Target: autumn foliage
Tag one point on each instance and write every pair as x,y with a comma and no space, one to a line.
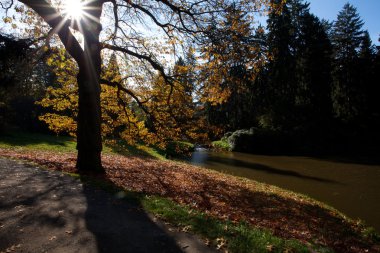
155,113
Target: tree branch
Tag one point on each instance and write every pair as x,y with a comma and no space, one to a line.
119,86
59,24
153,63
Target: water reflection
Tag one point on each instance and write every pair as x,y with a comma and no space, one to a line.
351,188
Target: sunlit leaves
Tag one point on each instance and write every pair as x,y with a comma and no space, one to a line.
167,112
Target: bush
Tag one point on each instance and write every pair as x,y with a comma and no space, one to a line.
257,140
240,140
221,145
179,148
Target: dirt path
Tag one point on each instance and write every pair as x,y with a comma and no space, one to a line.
46,211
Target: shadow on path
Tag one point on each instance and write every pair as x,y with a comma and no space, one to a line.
44,211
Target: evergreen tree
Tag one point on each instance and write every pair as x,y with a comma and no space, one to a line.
281,70
299,69
368,69
313,69
347,37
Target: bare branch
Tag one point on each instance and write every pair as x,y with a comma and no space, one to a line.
120,87
153,63
6,8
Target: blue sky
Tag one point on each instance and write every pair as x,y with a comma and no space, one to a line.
369,11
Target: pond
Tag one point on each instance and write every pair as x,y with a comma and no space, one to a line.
351,187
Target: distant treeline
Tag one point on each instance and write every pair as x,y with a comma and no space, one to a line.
318,91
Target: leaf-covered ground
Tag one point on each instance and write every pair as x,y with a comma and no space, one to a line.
286,214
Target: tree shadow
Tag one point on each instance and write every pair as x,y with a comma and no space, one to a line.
353,159
267,169
50,211
120,224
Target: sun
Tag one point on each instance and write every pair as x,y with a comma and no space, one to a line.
73,9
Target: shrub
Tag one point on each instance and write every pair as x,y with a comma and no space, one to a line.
179,148
257,140
240,140
221,145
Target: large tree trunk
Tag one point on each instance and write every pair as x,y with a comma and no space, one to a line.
89,140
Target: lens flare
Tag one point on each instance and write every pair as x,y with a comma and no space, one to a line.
74,9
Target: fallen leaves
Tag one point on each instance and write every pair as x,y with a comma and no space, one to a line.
52,238
220,242
286,214
11,248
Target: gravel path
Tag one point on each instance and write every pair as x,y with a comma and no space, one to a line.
46,211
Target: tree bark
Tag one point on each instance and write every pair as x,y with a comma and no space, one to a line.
89,140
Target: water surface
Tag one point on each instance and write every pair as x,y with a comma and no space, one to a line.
350,187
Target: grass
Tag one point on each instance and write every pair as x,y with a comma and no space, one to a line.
239,237
38,142
35,141
123,148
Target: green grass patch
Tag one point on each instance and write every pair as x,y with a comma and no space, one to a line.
35,141
121,147
38,142
221,145
240,237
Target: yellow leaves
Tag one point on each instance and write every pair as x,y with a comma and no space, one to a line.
59,124
7,20
20,9
220,243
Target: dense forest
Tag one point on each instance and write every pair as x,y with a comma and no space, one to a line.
299,84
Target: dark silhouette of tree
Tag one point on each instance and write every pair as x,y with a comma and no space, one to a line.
366,81
296,81
23,79
313,69
281,84
347,37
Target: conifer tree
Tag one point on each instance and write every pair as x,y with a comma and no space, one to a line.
367,77
281,69
313,69
298,84
347,37
232,56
